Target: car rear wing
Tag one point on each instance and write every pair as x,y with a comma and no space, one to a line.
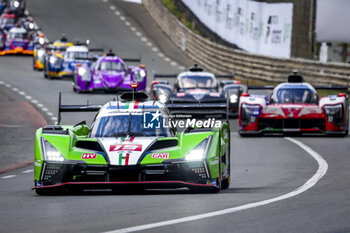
199,110
165,76
75,108
175,75
329,87
267,87
339,88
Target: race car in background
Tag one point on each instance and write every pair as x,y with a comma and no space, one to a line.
3,4
294,107
17,42
17,6
198,92
62,65
121,151
2,39
43,51
109,73
8,20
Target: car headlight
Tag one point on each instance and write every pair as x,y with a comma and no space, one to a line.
84,74
139,75
81,71
249,113
41,40
233,98
41,53
163,98
31,26
199,152
252,110
53,59
50,152
333,112
16,4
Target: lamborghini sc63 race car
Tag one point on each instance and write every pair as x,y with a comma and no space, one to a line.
198,89
109,73
294,107
128,145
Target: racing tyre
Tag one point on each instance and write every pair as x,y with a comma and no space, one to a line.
34,64
225,184
45,74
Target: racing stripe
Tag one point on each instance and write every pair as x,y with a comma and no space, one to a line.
127,104
120,158
136,104
127,159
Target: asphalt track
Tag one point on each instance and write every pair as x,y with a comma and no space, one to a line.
262,168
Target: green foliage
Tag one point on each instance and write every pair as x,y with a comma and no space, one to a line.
170,4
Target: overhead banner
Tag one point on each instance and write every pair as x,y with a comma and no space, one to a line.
331,20
257,27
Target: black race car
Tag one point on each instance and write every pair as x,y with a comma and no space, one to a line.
197,92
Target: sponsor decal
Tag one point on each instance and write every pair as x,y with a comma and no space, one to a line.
160,155
37,164
214,94
181,94
214,162
88,156
154,120
125,147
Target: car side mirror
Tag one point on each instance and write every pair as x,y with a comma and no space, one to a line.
81,130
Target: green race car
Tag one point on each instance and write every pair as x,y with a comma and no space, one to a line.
132,143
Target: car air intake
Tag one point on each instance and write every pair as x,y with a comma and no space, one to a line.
163,144
89,145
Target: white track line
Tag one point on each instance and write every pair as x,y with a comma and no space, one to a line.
28,171
29,98
321,171
7,177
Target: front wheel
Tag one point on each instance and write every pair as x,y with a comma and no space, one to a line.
225,183
34,64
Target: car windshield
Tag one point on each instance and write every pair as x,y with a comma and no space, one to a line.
196,81
296,96
125,124
112,65
8,21
17,35
59,49
77,55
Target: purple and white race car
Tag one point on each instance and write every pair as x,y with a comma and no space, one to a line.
109,73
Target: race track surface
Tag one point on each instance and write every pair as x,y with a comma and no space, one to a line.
261,168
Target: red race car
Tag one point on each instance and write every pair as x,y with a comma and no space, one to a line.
294,107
